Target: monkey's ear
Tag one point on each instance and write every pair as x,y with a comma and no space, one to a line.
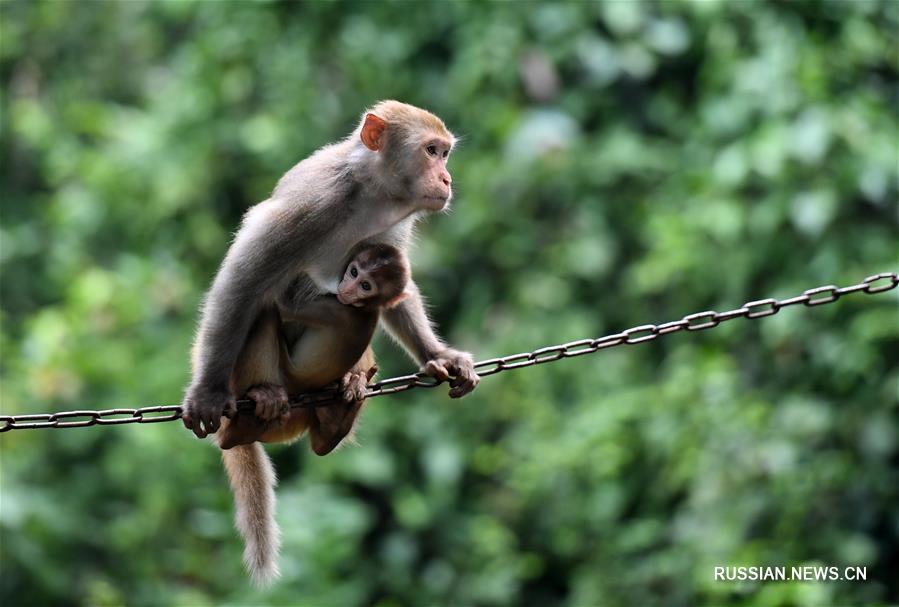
372,129
396,300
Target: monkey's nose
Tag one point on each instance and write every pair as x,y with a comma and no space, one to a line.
446,179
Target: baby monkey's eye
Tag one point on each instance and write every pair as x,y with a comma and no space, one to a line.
432,150
353,272
366,286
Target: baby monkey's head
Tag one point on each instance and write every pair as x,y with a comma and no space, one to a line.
376,276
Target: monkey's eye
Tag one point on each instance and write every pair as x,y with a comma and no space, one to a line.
353,272
432,150
445,153
366,286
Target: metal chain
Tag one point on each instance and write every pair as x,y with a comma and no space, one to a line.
700,321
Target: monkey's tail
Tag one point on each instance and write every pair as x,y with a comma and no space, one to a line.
253,481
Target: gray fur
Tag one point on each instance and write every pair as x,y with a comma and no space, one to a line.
292,248
253,481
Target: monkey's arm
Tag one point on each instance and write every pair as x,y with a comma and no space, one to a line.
324,311
258,262
409,324
257,362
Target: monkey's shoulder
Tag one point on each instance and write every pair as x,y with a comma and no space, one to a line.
323,176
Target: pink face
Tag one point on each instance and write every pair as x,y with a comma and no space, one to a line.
437,182
432,183
357,285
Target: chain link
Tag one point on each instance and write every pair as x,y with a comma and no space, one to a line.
700,321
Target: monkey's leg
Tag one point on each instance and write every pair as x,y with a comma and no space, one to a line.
257,374
244,429
332,424
335,422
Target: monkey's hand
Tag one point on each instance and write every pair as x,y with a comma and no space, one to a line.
453,364
271,402
203,408
353,385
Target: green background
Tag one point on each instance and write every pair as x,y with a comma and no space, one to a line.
621,163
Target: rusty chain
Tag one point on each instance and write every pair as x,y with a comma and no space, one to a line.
700,321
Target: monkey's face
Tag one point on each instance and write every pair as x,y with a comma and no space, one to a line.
376,276
435,183
416,146
358,286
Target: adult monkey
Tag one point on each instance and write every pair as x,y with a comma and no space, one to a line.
370,187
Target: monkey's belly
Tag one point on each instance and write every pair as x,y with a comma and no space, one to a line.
321,357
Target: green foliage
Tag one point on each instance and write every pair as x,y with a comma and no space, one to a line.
622,163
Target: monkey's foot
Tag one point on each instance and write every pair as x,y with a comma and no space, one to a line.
271,401
335,423
353,384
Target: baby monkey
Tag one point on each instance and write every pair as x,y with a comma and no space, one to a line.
324,341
